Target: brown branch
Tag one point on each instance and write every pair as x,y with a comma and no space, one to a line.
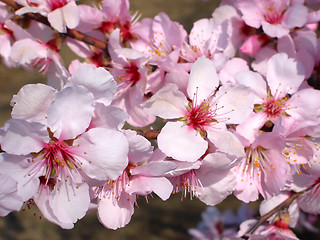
148,134
285,204
73,33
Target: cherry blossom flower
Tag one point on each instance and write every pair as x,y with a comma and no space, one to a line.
217,225
277,18
58,147
264,170
209,179
279,95
130,71
207,38
206,113
161,40
143,175
111,16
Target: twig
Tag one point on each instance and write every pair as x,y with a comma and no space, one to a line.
285,204
148,134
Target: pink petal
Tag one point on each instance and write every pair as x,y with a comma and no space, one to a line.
284,75
295,16
42,201
140,149
235,103
154,169
142,185
226,142
9,199
116,214
23,51
167,103
108,117
56,20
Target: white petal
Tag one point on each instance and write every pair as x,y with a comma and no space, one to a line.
57,21
203,80
32,102
284,75
226,142
103,153
69,202
22,137
97,80
167,103
71,14
181,142
70,113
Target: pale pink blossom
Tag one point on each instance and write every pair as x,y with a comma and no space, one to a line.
279,95
44,57
205,113
278,230
207,38
277,18
264,170
129,68
161,40
293,210
209,179
59,147
143,175
112,15
237,30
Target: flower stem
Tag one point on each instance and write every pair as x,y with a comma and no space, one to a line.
285,204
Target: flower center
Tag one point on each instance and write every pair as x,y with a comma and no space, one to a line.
54,4
273,10
56,157
255,164
273,107
114,188
131,74
199,116
186,183
272,16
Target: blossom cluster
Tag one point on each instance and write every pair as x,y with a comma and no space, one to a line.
238,96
